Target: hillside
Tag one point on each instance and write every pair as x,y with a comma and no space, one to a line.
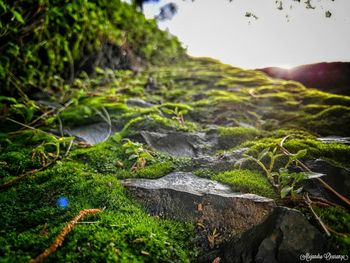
330,77
169,159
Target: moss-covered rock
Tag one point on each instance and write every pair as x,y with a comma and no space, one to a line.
247,181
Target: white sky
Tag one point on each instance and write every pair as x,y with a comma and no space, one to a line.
219,29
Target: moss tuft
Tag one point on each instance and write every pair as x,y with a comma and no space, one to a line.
230,137
247,181
338,220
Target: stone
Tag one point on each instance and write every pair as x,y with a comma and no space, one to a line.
216,163
337,177
135,102
335,139
283,237
186,197
180,144
91,133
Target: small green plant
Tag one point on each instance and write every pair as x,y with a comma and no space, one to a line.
177,114
48,152
282,180
288,182
24,107
137,153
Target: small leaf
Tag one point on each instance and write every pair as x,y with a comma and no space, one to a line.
300,154
117,137
99,70
263,153
18,16
65,139
167,111
312,175
129,150
298,191
133,156
285,191
10,99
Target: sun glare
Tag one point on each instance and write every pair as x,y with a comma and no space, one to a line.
286,66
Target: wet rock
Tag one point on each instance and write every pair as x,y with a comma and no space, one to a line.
186,197
181,143
135,102
216,163
337,177
283,237
49,104
335,139
91,133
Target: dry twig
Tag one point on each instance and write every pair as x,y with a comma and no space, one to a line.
64,232
308,202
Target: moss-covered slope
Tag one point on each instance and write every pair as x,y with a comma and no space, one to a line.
242,108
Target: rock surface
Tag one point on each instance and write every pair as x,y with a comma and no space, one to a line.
335,139
180,143
337,177
186,197
215,163
283,237
135,102
91,133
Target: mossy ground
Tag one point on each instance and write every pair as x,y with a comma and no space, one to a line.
31,217
247,181
245,108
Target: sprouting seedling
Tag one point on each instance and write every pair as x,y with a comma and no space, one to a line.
137,153
267,168
288,182
177,114
282,180
43,152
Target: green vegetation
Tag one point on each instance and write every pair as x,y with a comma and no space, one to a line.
281,179
122,232
334,152
230,137
247,181
45,42
44,45
339,219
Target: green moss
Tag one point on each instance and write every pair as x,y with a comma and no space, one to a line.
155,170
337,219
334,120
121,232
280,97
16,156
313,96
102,158
333,152
224,96
96,24
314,108
247,181
204,172
154,122
230,137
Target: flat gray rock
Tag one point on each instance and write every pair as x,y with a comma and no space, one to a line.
135,102
180,143
91,133
336,176
335,139
186,197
